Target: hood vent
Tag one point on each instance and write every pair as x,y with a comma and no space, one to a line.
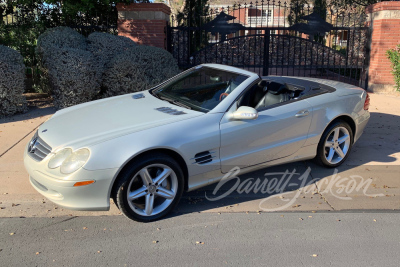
138,96
171,111
203,157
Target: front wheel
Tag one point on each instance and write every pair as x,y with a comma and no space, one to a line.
149,188
335,145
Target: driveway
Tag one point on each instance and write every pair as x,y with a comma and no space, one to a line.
369,180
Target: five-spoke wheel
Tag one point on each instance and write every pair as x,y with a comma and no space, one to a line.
335,144
152,189
149,188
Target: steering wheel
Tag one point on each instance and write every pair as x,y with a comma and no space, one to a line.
222,96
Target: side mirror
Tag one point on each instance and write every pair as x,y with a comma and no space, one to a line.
245,113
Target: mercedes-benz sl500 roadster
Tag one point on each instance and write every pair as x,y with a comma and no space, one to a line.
146,148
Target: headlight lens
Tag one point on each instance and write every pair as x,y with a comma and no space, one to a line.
59,158
75,161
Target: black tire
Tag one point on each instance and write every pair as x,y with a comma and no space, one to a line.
120,195
321,149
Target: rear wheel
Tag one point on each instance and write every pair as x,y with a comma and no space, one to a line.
335,145
149,188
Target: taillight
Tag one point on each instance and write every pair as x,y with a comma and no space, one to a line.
366,103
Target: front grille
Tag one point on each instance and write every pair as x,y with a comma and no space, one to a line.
38,149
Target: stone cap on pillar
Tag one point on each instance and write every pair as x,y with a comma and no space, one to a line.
384,10
143,11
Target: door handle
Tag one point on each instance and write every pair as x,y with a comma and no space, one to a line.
302,113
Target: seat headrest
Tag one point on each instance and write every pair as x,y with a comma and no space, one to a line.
262,83
280,90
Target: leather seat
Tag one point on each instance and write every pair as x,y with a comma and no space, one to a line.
273,97
254,95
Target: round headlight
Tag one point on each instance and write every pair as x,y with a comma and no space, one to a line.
59,158
75,161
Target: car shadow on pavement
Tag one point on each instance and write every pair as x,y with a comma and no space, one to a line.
380,142
244,192
378,147
39,105
34,112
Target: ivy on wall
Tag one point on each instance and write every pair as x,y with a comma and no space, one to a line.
394,57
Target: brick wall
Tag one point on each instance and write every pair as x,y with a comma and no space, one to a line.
144,23
384,19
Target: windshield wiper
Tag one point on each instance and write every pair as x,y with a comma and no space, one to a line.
174,101
170,100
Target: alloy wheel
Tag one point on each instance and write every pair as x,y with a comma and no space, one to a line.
152,189
337,145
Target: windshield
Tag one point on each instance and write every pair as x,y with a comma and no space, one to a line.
200,88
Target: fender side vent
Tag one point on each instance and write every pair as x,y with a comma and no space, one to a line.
203,157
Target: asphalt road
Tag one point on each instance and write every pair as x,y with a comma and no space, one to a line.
205,239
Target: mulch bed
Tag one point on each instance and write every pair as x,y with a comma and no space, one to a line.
39,100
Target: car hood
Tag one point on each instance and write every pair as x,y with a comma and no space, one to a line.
97,121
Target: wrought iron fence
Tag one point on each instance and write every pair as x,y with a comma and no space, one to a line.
277,38
272,13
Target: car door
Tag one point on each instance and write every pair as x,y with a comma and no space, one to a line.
278,132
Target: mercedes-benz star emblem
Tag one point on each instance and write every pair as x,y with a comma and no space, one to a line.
32,146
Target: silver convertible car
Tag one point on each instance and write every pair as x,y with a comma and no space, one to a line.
144,149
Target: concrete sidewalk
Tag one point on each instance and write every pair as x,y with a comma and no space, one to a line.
369,180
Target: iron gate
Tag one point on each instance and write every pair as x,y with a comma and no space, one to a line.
277,39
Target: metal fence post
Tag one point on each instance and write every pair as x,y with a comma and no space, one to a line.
267,36
168,34
367,57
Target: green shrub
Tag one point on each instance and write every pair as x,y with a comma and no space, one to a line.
137,69
60,37
74,69
124,77
12,82
394,57
73,75
105,46
48,43
69,72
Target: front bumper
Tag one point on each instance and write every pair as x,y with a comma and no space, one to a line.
61,190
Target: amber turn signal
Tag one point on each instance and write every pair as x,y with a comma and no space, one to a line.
84,183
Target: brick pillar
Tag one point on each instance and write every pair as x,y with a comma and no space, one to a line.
384,21
144,23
